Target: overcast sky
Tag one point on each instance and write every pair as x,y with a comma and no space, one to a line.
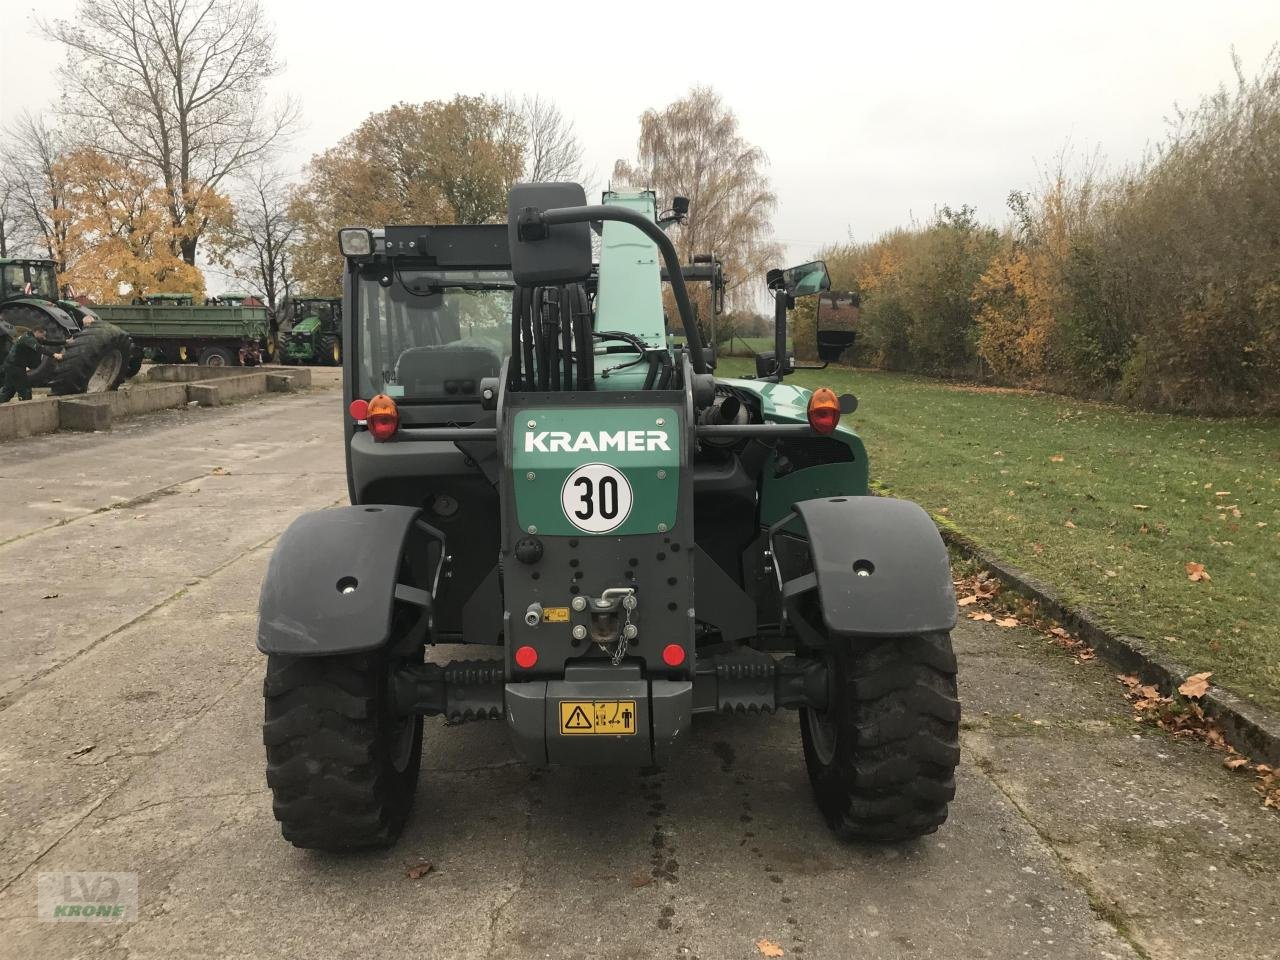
870,114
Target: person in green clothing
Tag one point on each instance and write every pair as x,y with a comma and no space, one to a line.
25,353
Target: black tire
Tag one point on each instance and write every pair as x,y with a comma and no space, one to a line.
95,360
342,768
217,357
330,352
882,757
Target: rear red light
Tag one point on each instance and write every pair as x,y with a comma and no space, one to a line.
359,409
526,658
673,654
824,410
383,417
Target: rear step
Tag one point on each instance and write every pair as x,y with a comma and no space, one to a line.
745,681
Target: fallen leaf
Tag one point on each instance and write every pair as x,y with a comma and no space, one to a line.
641,880
768,948
1235,763
981,616
1141,506
965,601
1222,493
1057,458
80,751
1007,622
219,471
1060,632
421,870
1195,685
1196,572
1038,548
50,596
1069,525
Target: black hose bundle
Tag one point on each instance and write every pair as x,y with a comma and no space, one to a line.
551,339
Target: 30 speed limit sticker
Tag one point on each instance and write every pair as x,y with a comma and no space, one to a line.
596,497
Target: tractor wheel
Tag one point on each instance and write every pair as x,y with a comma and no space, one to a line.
216,357
94,361
341,765
882,756
331,351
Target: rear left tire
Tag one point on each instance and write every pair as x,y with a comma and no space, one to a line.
342,766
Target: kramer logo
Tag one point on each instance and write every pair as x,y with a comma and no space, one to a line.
625,441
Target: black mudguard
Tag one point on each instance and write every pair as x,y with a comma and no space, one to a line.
880,565
331,584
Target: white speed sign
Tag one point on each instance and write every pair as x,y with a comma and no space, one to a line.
596,497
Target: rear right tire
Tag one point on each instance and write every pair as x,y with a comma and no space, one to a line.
882,756
342,767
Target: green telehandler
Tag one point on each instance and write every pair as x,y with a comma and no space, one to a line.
629,540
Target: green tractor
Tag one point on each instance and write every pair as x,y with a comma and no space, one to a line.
95,353
629,540
311,331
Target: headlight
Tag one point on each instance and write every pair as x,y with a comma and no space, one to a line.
355,241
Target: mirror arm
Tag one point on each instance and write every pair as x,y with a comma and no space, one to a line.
607,211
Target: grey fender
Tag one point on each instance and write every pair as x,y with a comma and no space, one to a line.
880,566
331,583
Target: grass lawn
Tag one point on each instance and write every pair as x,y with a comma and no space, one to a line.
1107,504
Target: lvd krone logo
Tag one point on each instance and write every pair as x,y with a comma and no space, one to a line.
88,896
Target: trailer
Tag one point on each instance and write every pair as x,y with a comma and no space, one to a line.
169,328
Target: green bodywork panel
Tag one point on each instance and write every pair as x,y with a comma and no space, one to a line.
783,403
565,438
308,325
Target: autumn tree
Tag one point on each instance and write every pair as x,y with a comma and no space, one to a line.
693,148
119,235
435,162
175,88
33,187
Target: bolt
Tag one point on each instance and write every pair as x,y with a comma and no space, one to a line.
532,424
629,602
579,632
579,603
662,474
532,528
530,475
629,631
661,422
662,528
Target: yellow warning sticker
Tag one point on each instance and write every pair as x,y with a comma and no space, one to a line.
597,717
555,614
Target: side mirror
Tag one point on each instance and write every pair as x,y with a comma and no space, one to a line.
540,254
801,281
837,317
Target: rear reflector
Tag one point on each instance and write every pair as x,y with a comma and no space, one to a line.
673,654
526,658
359,410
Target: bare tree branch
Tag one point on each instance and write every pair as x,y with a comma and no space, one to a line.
177,87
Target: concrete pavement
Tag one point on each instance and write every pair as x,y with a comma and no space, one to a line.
130,711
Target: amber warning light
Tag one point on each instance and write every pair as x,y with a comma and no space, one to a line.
383,417
824,410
